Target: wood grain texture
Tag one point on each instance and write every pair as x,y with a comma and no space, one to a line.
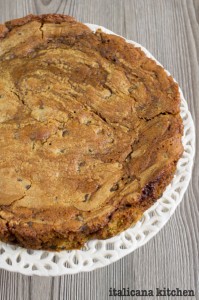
169,29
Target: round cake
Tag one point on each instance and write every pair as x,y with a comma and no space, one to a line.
90,133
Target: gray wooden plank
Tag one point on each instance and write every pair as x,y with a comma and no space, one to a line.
170,30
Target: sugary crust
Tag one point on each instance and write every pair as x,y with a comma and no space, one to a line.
48,18
90,133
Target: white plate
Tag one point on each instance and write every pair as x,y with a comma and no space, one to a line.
99,253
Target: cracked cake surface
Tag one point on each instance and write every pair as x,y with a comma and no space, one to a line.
90,133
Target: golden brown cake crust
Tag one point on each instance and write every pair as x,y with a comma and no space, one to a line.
90,133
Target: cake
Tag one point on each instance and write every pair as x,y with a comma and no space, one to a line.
90,133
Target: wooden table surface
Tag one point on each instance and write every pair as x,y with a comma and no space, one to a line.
169,29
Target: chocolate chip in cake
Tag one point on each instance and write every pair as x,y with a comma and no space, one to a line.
53,247
30,223
65,133
79,218
86,198
115,187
